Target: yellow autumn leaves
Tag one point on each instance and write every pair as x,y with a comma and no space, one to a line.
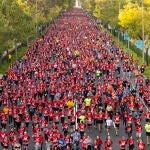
130,18
125,15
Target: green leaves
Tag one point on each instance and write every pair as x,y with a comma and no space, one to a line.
125,15
20,17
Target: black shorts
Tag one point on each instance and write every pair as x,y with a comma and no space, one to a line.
78,120
55,109
82,133
56,122
89,147
117,125
50,119
62,119
131,146
147,133
5,146
141,111
72,123
100,121
89,124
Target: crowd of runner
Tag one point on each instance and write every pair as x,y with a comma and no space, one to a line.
74,79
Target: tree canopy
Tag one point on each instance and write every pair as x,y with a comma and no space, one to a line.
125,15
19,18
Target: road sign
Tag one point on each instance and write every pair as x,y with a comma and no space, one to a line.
139,44
125,36
116,30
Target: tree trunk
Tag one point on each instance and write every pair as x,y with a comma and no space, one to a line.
147,63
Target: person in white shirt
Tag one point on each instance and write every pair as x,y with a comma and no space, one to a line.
109,123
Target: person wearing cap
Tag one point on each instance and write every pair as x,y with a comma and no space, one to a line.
147,128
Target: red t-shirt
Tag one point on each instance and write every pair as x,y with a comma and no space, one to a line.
38,139
25,139
67,139
98,141
5,141
130,141
138,128
117,119
100,116
56,117
36,130
129,119
82,126
122,143
72,119
141,146
54,139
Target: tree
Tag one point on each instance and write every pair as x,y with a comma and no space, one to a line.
88,5
130,18
19,18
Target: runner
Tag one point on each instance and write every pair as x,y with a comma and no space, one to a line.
147,128
122,143
74,60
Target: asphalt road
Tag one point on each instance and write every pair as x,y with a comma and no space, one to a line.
94,132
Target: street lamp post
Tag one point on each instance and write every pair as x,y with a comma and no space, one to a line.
15,47
143,36
36,19
118,13
27,42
